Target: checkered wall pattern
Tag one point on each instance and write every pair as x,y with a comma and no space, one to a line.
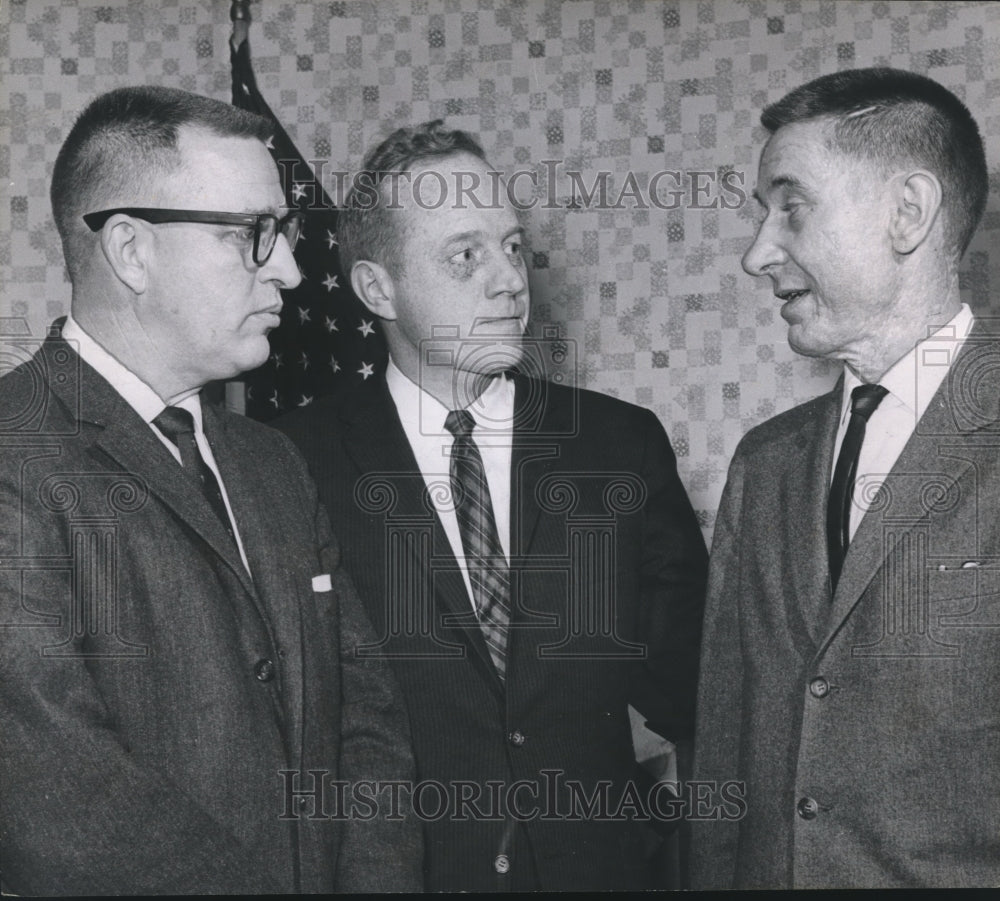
650,302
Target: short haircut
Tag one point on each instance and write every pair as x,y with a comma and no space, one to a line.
890,116
123,141
366,228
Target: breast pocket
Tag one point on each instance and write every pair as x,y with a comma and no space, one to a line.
965,594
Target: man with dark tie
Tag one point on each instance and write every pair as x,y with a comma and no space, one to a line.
526,551
175,673
851,651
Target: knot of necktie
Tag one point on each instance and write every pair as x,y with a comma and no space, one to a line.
177,425
865,398
460,423
175,421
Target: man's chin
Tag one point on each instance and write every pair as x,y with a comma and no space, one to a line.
490,357
800,342
252,358
257,352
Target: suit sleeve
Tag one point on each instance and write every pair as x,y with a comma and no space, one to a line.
717,737
383,853
673,570
82,814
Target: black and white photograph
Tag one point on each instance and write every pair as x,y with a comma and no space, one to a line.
499,446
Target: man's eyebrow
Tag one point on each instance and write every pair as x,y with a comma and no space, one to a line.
788,181
477,235
779,181
473,235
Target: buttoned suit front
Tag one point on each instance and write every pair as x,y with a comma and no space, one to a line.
160,705
607,566
862,725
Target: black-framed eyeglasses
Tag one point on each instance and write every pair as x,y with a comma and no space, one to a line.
266,226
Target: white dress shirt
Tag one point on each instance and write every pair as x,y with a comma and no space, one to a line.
911,382
148,404
423,416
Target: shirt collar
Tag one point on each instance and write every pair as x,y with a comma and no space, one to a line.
915,378
137,394
493,410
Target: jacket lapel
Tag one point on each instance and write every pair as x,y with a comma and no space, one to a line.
274,595
803,510
375,440
277,596
902,504
124,437
539,428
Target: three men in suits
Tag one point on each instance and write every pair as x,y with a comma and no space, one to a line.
525,550
851,651
176,674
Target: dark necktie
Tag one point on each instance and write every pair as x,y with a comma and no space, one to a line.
864,400
178,425
487,566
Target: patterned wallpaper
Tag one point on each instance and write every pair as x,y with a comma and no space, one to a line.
651,299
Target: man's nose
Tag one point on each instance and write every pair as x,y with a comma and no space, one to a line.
508,276
764,252
281,266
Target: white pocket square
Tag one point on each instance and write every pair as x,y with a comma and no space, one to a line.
322,582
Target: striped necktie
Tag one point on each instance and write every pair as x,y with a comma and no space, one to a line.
487,565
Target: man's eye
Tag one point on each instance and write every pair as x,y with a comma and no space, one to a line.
513,251
244,235
464,256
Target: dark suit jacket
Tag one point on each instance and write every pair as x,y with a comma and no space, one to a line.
607,565
864,725
151,694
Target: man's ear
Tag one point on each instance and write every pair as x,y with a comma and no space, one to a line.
124,244
918,204
373,284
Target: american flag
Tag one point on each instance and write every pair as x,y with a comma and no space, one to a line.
327,339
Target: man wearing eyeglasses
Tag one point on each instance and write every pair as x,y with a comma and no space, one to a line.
174,701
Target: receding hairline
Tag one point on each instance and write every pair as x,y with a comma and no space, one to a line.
366,230
175,165
825,125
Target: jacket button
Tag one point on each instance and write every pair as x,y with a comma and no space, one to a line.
819,687
264,670
516,738
502,864
808,808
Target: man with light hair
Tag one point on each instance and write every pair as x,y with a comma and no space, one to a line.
526,550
